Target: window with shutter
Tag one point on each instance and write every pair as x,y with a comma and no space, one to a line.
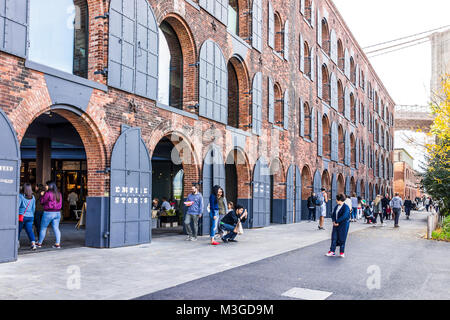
271,27
257,25
14,27
334,142
347,103
319,28
319,134
302,7
217,8
333,47
286,41
213,84
347,63
313,124
334,92
133,48
302,53
302,118
319,77
313,66
257,104
271,101
286,110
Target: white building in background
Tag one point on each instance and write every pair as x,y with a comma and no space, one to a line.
440,58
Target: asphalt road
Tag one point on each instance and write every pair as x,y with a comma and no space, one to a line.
380,263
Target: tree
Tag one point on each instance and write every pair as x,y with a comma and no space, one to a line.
436,178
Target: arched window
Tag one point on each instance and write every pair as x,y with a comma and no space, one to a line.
308,10
233,16
59,35
233,96
376,131
278,33
352,108
307,59
353,150
361,80
326,137
341,57
352,71
325,36
278,104
341,147
341,101
170,86
325,85
307,113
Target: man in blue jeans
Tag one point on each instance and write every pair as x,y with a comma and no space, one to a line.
194,211
396,205
230,221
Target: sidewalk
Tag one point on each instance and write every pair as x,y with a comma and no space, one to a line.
130,272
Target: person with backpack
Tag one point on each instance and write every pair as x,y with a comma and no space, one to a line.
51,200
312,207
27,206
321,205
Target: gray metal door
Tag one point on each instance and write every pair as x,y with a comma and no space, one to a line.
131,190
347,186
213,174
298,195
14,27
317,183
9,189
334,191
290,198
261,195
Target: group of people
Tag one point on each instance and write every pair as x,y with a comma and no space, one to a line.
225,218
40,208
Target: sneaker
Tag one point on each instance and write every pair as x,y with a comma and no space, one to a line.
214,243
396,226
342,255
224,240
188,238
193,239
39,245
232,240
56,246
33,247
331,254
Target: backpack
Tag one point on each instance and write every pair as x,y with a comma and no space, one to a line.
319,200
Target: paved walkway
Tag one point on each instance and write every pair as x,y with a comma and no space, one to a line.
130,272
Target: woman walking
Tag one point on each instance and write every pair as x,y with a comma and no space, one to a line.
341,223
217,207
27,206
51,200
378,209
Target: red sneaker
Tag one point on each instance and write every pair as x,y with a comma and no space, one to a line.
214,243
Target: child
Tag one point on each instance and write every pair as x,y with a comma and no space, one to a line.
388,212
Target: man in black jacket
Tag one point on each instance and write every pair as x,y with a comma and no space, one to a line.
312,207
230,221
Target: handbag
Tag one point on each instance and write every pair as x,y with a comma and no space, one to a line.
21,215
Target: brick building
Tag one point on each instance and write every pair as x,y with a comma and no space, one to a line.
406,180
270,99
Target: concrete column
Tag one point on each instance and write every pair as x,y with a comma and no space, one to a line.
43,160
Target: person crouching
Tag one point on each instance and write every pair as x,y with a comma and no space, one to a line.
231,223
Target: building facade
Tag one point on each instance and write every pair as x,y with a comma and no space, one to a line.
440,60
406,180
270,99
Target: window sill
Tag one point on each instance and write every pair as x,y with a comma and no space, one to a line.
177,111
277,54
242,41
307,77
238,131
192,3
278,128
307,22
65,75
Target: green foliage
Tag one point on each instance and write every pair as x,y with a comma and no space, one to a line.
444,232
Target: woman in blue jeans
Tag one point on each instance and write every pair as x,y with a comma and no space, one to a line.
217,206
27,206
51,200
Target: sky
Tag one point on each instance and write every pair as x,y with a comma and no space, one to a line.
406,74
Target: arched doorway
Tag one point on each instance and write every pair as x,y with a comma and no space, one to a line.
326,184
307,190
167,186
352,186
340,184
61,145
278,191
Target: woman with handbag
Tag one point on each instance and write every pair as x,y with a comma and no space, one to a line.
52,203
217,206
27,206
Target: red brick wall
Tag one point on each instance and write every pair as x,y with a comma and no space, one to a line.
24,96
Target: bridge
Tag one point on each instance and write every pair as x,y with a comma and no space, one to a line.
413,118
